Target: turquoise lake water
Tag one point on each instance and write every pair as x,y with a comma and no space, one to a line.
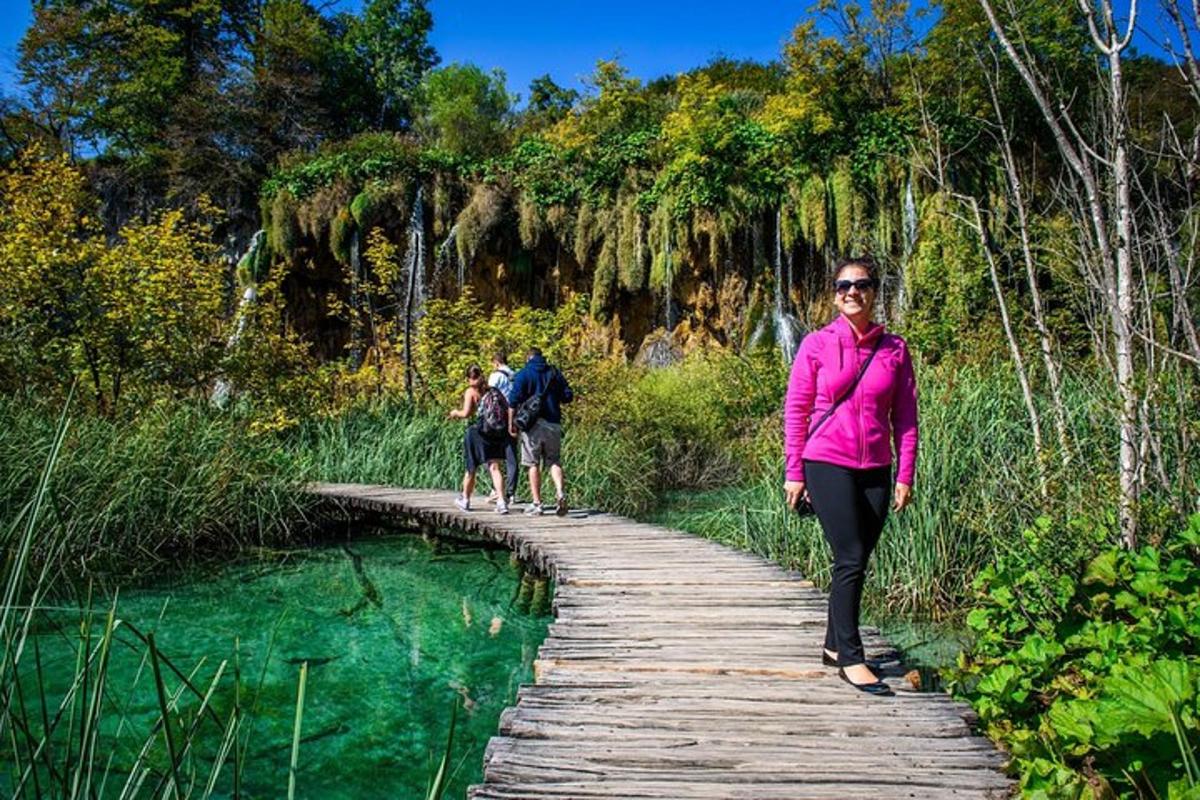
395,629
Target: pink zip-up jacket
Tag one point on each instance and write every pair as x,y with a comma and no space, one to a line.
881,410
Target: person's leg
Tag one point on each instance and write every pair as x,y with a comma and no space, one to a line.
835,499
874,495
498,482
510,468
468,485
535,484
556,475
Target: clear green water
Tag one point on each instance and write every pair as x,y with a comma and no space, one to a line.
394,629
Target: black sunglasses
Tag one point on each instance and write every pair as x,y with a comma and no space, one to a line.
862,284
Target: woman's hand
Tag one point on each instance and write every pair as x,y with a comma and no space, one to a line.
794,491
902,497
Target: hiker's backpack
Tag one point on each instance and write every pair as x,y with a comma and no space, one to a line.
530,411
493,414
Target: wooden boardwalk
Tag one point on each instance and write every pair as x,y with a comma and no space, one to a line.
680,668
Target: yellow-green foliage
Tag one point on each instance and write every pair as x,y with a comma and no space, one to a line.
813,221
453,334
126,316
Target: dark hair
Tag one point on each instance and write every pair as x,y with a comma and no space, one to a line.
533,351
865,263
500,357
474,373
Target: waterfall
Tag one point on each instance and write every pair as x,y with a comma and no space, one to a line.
356,276
670,279
777,326
441,256
414,298
910,241
786,328
414,261
245,266
910,218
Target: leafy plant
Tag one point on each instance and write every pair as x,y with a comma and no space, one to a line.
1089,675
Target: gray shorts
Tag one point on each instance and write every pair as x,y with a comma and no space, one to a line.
541,443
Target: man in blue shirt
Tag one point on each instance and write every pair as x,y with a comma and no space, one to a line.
542,442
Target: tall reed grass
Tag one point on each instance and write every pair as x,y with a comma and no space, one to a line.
976,492
174,481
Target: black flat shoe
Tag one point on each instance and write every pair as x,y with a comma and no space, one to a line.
877,688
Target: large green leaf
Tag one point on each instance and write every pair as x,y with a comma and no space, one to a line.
1146,700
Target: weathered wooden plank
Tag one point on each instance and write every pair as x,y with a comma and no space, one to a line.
679,668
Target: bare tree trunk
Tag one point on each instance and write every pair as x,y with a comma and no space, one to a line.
1116,260
1035,294
1014,347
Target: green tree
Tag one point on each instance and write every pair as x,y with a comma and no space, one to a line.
465,110
392,39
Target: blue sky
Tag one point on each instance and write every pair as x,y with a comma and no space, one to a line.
567,37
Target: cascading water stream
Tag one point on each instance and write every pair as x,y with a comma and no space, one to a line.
245,266
414,298
356,276
670,279
910,240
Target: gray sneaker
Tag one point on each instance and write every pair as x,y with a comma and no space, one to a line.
501,507
560,506
463,503
533,510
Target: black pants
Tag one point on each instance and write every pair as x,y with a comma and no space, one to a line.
852,505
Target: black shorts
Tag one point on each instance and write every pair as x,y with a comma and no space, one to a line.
479,450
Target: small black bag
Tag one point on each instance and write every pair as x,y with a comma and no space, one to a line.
804,507
530,411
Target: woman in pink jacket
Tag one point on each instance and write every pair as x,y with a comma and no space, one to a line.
852,394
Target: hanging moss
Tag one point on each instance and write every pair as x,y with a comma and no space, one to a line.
283,232
530,224
605,277
813,222
842,198
481,218
365,207
341,233
631,262
588,226
661,240
887,211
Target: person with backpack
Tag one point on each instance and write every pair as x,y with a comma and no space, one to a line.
501,378
485,439
535,412
852,396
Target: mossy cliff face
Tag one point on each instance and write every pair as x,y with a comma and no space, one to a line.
708,275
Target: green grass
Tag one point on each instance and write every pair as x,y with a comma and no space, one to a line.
976,492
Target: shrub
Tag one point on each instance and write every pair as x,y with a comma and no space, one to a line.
1088,672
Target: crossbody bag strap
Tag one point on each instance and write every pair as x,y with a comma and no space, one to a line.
861,371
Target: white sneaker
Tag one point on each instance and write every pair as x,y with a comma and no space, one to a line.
533,510
501,507
463,503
